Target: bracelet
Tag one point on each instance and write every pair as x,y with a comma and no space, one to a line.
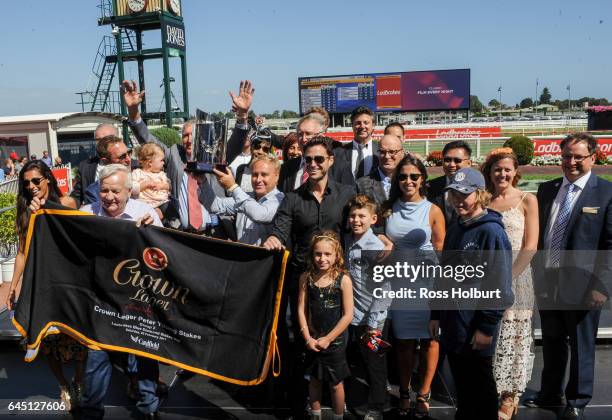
308,341
232,188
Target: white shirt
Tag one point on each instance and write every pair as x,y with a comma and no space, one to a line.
134,210
298,176
367,157
242,158
579,185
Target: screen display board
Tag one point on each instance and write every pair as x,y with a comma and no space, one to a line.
404,91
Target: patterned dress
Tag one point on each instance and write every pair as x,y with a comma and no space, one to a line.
513,360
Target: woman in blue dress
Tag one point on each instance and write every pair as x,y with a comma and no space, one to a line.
414,225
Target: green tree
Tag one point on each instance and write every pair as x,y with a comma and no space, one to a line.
545,97
168,136
475,104
526,103
289,114
494,103
522,147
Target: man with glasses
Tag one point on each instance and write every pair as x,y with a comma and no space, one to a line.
572,273
88,169
319,204
293,173
456,155
186,210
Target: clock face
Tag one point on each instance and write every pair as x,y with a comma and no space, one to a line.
175,6
137,5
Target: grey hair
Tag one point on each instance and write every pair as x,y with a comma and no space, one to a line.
188,122
106,125
315,117
271,159
114,168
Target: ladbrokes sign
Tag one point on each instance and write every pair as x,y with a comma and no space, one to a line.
197,303
547,146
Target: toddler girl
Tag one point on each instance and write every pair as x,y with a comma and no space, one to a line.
153,182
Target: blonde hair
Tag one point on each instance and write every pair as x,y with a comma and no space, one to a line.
483,198
147,152
271,159
338,266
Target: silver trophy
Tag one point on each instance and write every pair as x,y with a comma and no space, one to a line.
209,143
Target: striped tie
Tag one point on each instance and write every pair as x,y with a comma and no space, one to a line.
560,225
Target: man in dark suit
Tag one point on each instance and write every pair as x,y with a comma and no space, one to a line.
87,169
456,155
571,275
359,156
377,184
293,172
184,210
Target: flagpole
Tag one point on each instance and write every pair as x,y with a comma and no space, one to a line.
569,99
535,107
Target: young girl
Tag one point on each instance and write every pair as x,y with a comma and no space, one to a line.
154,184
325,310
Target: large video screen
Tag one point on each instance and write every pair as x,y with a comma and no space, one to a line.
405,91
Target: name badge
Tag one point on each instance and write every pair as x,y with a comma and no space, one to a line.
590,210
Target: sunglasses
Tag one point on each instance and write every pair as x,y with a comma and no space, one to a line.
258,146
35,181
404,177
456,160
124,156
318,159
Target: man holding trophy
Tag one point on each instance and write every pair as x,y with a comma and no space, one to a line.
186,211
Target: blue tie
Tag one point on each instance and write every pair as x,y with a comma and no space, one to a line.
560,225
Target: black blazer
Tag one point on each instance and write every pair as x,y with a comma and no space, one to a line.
370,185
85,176
342,158
435,194
589,229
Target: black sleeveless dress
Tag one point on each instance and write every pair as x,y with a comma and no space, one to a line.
324,312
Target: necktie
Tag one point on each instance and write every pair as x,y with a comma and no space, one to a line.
560,225
195,209
360,164
305,175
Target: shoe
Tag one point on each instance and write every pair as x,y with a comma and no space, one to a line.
572,413
541,400
404,412
373,415
421,408
508,407
65,398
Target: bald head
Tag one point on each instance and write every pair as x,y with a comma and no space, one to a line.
104,130
391,152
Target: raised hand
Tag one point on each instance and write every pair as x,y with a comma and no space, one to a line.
132,97
241,103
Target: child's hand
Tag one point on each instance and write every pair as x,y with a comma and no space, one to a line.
323,343
164,186
311,344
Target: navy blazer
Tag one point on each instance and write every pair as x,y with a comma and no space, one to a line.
589,229
343,158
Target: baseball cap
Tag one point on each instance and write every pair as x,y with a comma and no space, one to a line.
466,181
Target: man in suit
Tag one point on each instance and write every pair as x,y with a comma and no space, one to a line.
186,210
359,156
293,172
377,184
456,155
87,172
571,275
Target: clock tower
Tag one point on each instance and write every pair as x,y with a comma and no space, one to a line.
129,19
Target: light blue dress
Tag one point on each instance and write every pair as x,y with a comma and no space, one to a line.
409,229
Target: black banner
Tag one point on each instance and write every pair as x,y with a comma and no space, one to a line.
173,34
205,305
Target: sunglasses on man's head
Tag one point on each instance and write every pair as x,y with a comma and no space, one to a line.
35,181
451,159
404,177
261,146
318,159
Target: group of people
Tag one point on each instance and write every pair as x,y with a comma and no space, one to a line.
14,163
340,208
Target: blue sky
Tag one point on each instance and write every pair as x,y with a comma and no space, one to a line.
48,48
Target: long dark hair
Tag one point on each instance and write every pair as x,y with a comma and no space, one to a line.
395,192
24,197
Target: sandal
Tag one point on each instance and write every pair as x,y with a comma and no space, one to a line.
508,407
404,396
422,405
65,398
